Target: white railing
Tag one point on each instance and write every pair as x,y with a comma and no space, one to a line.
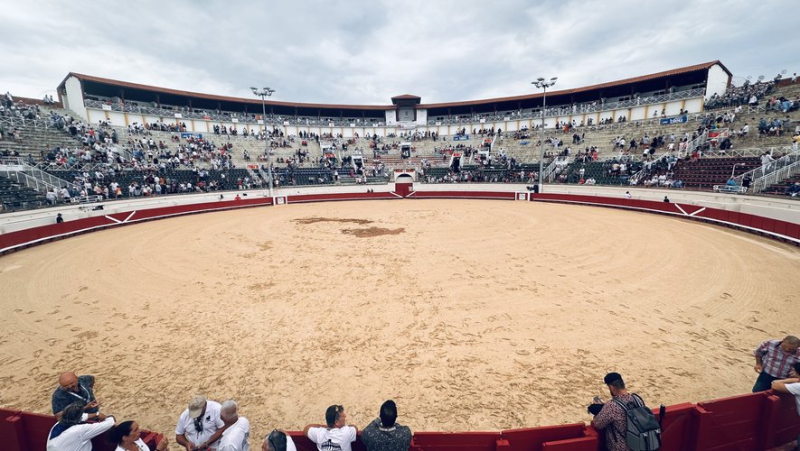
762,171
18,169
762,183
550,170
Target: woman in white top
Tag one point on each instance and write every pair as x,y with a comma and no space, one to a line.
71,434
126,436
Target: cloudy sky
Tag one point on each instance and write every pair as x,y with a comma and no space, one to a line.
366,51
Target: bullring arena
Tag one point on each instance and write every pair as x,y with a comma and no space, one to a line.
472,314
455,257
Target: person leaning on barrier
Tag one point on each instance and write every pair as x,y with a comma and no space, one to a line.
278,440
384,433
612,417
774,360
237,428
75,389
336,434
127,437
791,385
71,433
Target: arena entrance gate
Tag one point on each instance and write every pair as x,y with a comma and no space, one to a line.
403,184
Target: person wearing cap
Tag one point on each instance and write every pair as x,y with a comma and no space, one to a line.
774,360
384,433
611,417
336,434
75,389
200,425
278,440
237,428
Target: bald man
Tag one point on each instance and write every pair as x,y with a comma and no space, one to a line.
75,389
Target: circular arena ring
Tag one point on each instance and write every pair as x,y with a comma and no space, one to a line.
472,314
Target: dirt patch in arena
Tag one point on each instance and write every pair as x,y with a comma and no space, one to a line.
340,220
481,315
372,232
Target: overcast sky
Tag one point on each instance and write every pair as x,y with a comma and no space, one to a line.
366,51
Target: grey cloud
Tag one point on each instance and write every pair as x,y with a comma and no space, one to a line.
363,52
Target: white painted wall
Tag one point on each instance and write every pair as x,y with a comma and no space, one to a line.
74,97
718,81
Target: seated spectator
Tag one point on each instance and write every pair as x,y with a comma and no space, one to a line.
200,425
73,389
278,440
336,434
384,433
72,434
126,436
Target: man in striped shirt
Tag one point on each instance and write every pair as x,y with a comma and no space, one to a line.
774,360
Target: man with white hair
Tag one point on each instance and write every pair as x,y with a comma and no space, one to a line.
200,425
278,440
237,429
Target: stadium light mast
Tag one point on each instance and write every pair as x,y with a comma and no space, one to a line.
544,84
264,93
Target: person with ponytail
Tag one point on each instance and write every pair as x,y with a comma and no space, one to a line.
126,436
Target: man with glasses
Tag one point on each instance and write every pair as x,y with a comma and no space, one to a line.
336,435
75,389
200,426
278,440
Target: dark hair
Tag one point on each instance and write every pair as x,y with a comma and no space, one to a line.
388,413
797,368
120,431
332,414
72,414
614,380
276,441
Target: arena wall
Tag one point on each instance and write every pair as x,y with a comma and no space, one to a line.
774,218
757,421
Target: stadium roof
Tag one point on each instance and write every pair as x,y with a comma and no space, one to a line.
213,97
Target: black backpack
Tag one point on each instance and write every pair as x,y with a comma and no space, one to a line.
643,432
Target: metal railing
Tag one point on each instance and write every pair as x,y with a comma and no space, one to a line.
550,170
759,175
762,183
31,176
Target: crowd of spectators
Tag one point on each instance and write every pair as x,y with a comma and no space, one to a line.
207,424
746,94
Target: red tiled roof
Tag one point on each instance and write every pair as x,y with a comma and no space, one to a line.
682,70
125,84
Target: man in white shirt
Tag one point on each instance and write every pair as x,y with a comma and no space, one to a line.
200,426
336,435
278,440
237,429
792,386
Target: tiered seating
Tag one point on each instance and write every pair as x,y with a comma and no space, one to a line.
14,196
707,172
781,187
35,137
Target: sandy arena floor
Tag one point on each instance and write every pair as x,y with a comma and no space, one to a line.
472,315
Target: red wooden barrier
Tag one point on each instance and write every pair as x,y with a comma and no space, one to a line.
533,439
457,441
12,435
737,423
785,426
463,195
677,427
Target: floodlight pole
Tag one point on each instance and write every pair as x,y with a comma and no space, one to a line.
264,93
542,83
